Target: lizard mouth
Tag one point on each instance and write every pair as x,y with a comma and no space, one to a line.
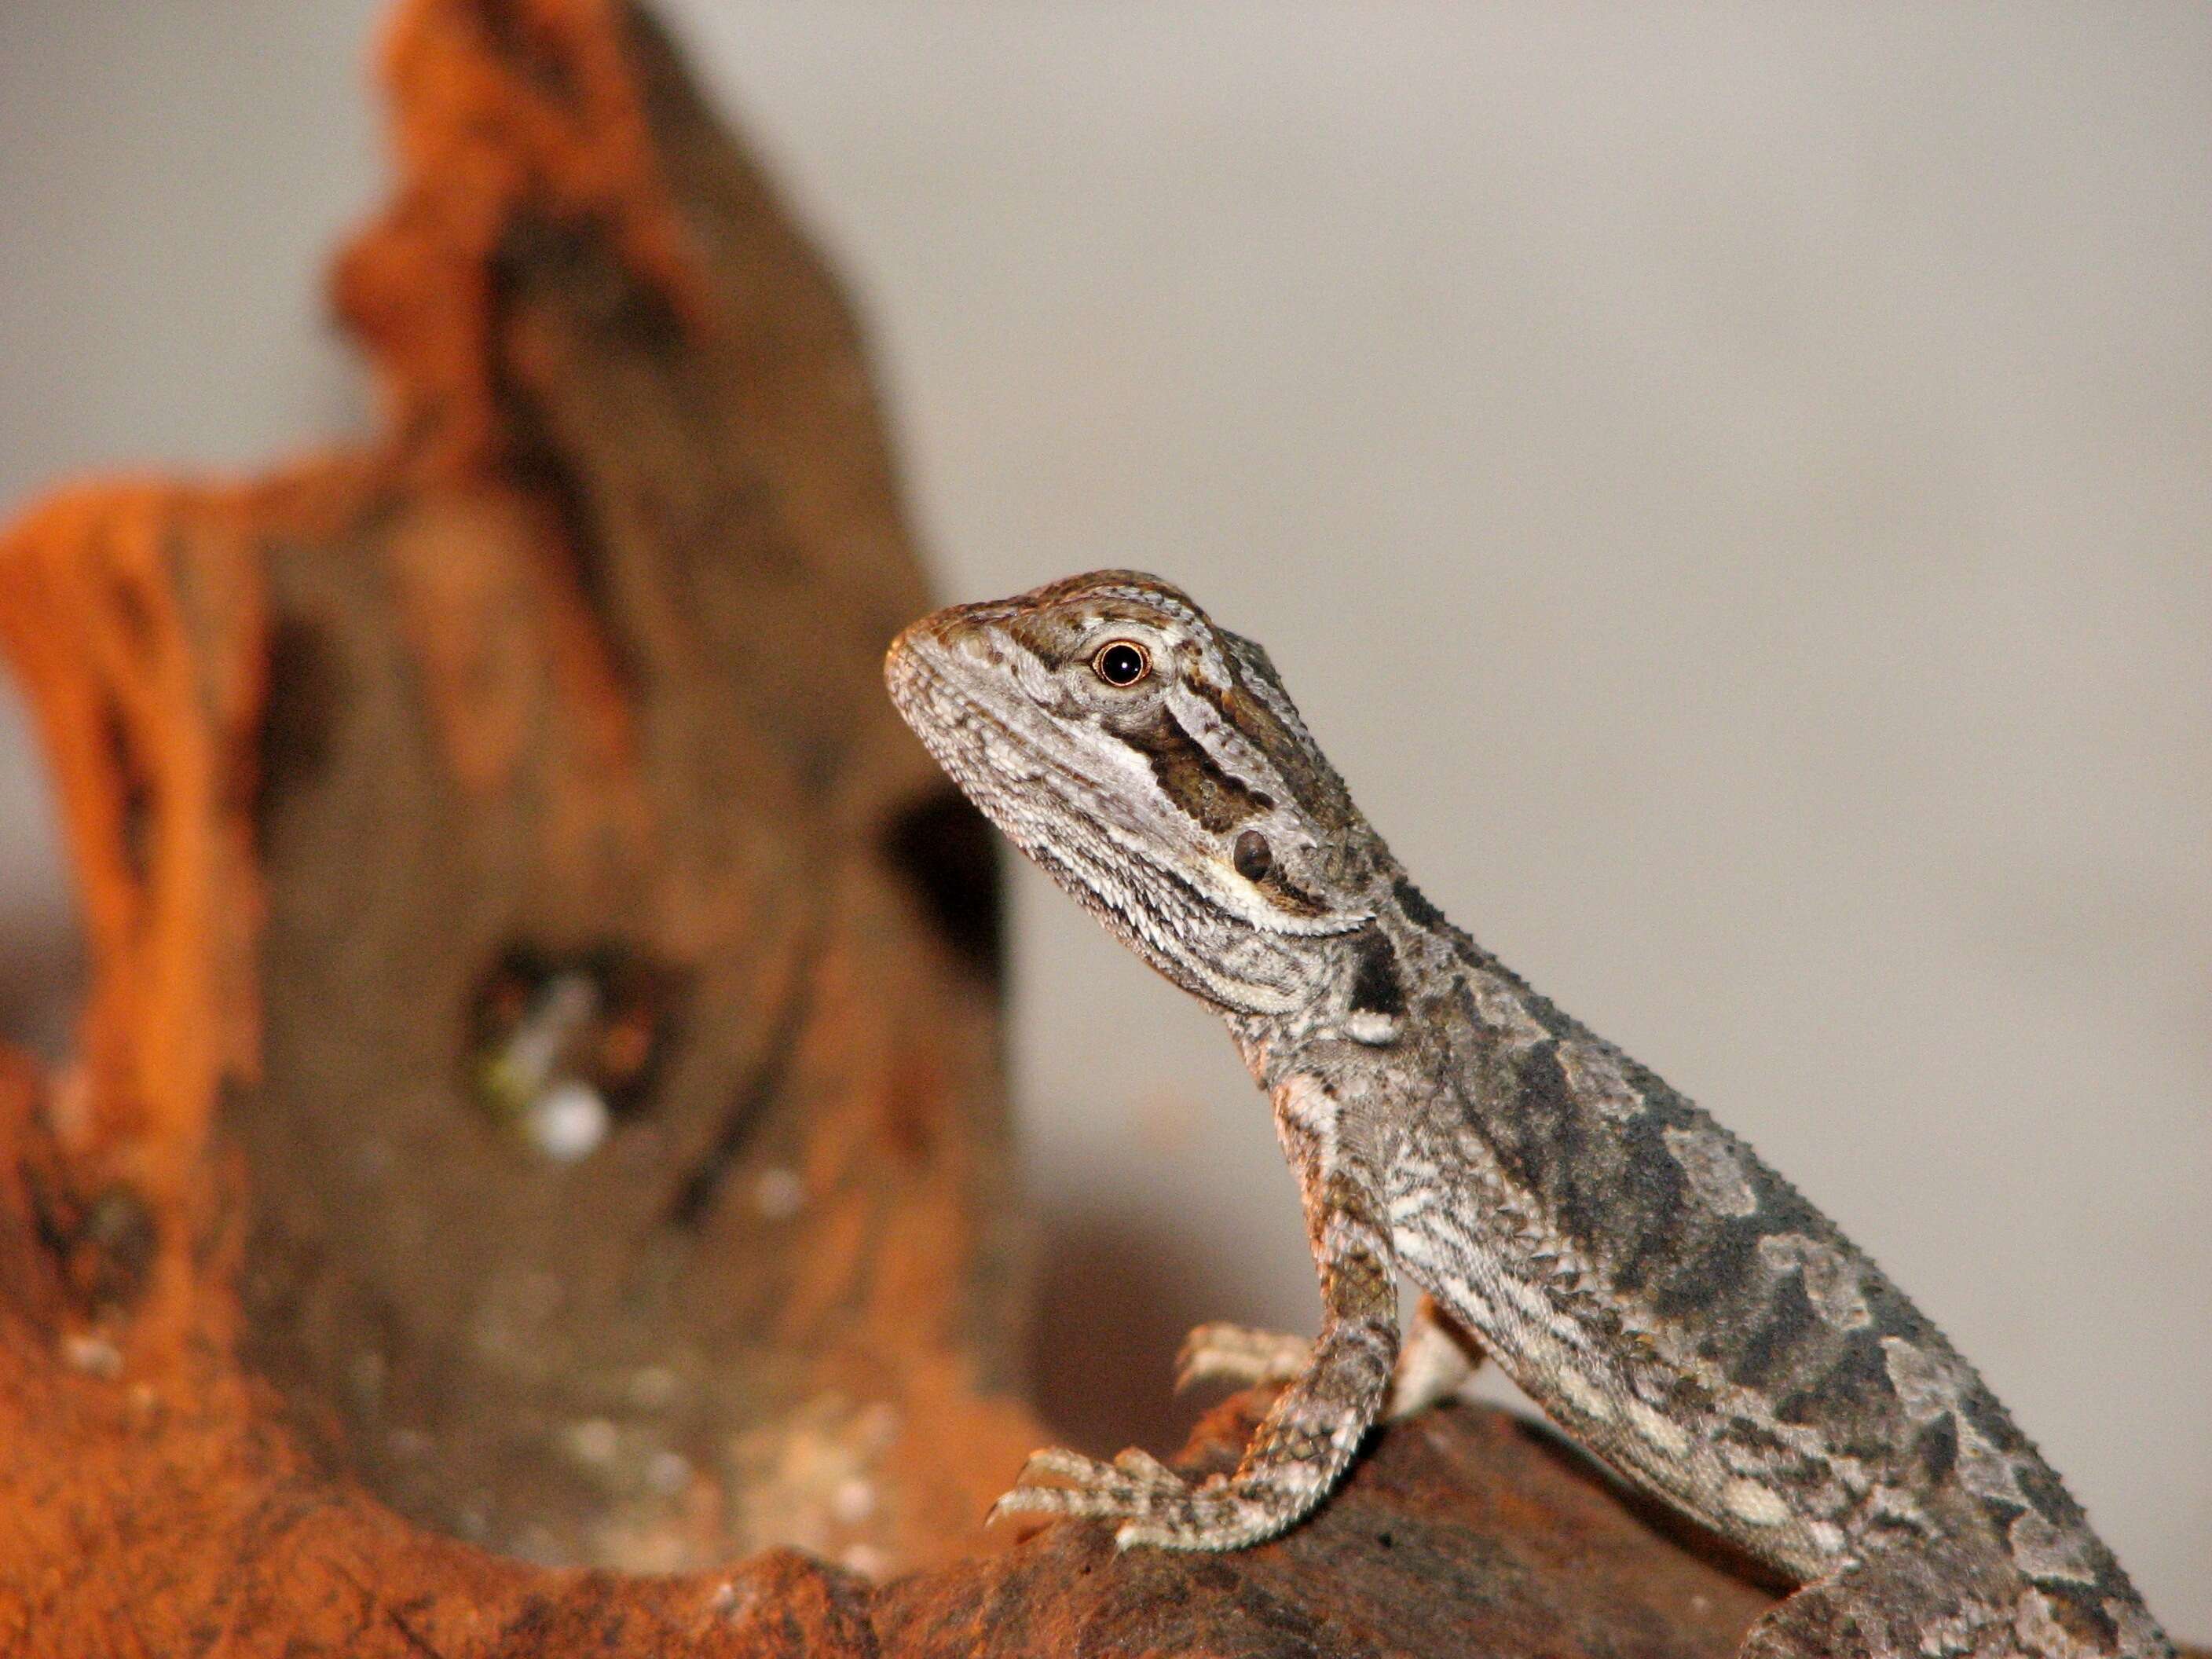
981,750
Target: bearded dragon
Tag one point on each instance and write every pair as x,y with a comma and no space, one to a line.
1673,1304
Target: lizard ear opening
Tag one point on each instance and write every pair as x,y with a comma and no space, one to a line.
1251,856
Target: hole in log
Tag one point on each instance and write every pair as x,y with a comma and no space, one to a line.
564,1044
945,851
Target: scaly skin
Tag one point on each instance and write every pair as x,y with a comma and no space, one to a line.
1673,1303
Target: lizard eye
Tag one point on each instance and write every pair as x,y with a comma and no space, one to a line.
1122,662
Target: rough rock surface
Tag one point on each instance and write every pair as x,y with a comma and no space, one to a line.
1461,1531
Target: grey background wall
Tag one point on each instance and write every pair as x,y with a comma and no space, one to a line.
1728,485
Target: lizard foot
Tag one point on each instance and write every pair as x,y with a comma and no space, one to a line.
1238,1354
1151,1502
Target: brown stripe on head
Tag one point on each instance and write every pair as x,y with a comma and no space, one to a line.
1192,778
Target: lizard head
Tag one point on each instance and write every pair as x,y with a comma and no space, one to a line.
1152,762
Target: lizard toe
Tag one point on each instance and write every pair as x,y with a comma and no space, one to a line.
1133,1487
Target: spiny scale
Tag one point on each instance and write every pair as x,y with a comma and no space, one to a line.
1673,1302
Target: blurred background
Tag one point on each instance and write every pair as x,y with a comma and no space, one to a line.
1731,489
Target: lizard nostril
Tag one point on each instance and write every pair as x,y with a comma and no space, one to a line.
1252,855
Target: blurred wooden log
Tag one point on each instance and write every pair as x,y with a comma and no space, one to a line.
569,685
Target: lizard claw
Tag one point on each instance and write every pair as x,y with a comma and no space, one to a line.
1135,1487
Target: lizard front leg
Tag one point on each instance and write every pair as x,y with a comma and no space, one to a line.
1310,1432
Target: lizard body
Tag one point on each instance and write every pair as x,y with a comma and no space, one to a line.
1671,1301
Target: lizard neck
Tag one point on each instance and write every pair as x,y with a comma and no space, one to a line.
1364,1015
